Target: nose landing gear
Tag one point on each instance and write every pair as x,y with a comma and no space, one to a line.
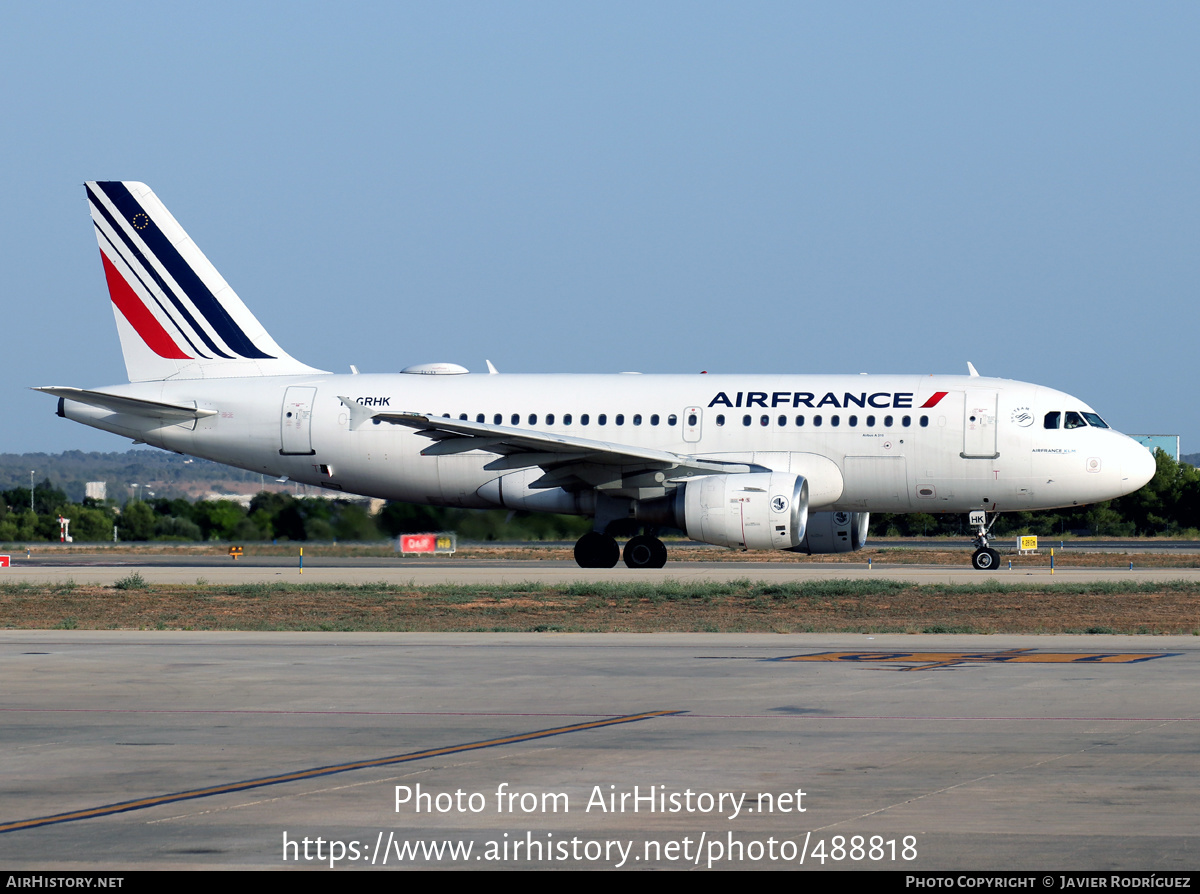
984,558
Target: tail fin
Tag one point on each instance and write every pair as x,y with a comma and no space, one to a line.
177,318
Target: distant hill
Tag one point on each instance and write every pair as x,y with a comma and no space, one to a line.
167,474
1192,459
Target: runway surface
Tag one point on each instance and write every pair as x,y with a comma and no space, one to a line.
183,569
127,750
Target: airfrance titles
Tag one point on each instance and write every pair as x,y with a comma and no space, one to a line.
880,400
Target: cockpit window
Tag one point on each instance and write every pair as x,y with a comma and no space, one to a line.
1095,420
1074,420
1052,419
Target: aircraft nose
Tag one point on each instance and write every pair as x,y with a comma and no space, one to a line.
1138,465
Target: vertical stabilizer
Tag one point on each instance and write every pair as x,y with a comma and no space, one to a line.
176,315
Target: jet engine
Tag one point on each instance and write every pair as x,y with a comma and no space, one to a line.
752,510
834,532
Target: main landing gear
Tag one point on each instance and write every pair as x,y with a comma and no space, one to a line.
644,551
596,550
984,558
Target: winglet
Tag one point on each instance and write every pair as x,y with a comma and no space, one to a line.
971,370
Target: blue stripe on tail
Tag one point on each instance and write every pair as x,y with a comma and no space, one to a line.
183,274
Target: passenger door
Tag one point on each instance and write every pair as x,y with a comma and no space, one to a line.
979,425
296,421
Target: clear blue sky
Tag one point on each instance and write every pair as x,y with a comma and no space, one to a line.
664,187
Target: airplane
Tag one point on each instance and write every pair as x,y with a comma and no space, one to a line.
769,462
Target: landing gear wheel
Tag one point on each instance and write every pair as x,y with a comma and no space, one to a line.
596,550
645,552
986,559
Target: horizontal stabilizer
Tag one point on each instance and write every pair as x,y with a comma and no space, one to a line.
134,406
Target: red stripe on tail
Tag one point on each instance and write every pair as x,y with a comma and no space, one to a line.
144,322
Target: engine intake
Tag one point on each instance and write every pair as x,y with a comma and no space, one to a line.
752,510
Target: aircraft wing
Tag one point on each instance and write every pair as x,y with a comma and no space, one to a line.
566,460
135,406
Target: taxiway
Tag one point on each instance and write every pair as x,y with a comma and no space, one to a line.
128,750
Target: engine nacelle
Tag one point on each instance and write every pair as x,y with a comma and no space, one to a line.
513,492
834,532
753,510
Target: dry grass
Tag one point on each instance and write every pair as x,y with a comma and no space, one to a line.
739,606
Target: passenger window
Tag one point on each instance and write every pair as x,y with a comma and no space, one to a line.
764,419
854,422
654,419
479,418
497,419
602,419
533,418
782,421
870,422
549,418
745,420
835,421
924,422
720,419
799,420
620,419
906,421
566,418
1052,419
672,419
637,418
817,421
516,419
462,416
584,419
887,421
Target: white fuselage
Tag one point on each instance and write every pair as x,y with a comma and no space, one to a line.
876,443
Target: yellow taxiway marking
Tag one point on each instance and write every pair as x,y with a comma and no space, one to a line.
930,660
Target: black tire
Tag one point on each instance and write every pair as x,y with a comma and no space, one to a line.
596,550
645,552
986,559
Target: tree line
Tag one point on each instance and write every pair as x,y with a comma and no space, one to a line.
1169,505
270,516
